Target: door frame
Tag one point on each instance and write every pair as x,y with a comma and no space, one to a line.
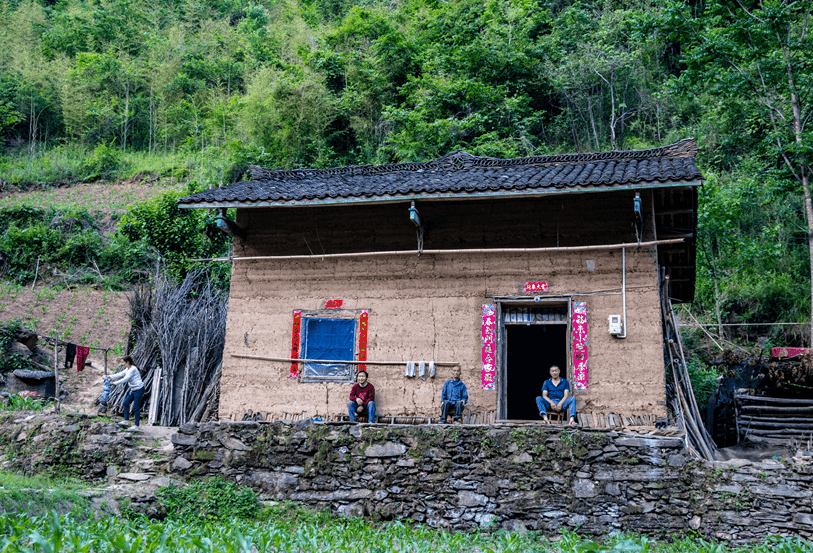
502,341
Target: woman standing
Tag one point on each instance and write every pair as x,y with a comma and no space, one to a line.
132,375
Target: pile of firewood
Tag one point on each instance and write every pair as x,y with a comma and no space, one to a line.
178,333
755,369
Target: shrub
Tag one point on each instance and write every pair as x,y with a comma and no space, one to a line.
704,382
105,162
11,361
214,499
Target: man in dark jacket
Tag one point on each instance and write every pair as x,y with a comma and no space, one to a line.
453,395
362,398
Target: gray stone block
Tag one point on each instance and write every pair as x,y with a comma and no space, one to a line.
233,443
387,449
470,499
584,488
181,464
183,439
640,441
781,490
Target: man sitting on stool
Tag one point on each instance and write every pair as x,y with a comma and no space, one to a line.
556,397
362,398
454,394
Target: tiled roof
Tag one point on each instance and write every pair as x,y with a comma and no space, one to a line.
459,174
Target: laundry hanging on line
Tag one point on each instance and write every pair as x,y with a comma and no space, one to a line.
70,354
81,356
420,368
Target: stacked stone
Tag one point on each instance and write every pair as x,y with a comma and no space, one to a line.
461,477
470,477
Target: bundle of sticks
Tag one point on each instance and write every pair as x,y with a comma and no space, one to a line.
680,392
178,333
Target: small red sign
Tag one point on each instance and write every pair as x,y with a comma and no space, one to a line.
333,304
535,287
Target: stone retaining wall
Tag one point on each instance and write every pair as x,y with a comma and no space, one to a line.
537,478
543,478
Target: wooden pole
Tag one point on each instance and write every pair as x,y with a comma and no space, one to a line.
441,252
56,372
105,362
154,394
292,360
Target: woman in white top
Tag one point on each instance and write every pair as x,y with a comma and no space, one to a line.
132,376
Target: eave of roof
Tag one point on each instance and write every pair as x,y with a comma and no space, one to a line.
378,200
460,175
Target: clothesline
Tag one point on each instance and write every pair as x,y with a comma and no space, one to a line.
292,360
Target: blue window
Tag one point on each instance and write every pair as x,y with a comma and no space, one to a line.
332,340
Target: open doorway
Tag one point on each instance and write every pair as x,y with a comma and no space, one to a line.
531,349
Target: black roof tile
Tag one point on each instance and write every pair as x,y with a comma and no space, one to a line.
459,173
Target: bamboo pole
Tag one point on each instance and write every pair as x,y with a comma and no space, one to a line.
292,360
452,251
56,373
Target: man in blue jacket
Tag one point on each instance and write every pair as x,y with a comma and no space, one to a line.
556,397
453,395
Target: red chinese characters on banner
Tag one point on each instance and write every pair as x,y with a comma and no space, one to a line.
489,337
535,287
579,340
334,304
363,339
295,343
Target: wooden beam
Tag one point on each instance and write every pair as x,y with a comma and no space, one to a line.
789,420
674,212
630,245
779,400
775,409
784,425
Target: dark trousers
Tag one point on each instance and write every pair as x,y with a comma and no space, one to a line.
447,405
133,397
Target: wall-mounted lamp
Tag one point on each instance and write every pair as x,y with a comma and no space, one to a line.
228,226
638,209
415,217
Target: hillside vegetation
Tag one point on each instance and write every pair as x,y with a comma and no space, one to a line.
191,91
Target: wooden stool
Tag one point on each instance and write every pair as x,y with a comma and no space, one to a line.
557,416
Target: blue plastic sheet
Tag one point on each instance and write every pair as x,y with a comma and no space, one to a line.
331,339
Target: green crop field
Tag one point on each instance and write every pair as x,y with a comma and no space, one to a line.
52,533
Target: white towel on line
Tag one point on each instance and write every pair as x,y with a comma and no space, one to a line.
422,370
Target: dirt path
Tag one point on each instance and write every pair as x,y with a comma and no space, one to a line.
84,316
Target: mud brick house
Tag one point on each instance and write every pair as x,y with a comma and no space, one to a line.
503,266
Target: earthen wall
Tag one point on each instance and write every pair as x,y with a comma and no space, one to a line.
429,307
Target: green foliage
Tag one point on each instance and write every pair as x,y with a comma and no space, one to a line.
704,382
105,163
191,91
178,235
214,499
37,495
11,361
15,402
68,241
79,532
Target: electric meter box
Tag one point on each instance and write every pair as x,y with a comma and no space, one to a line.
615,325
